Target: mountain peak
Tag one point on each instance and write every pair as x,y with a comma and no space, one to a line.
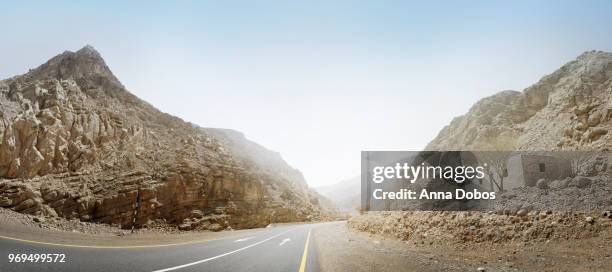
91,133
89,50
86,66
594,54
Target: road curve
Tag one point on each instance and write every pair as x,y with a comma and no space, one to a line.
282,248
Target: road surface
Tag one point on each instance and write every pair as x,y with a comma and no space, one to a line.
281,248
304,247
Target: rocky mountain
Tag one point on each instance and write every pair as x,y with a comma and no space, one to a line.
75,143
570,109
258,158
345,194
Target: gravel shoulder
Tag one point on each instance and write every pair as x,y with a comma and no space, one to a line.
342,249
339,249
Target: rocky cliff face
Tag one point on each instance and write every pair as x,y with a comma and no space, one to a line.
75,143
258,158
570,109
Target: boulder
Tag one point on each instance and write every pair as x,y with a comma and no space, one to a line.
590,220
581,182
594,118
542,184
196,214
560,184
215,227
522,212
185,226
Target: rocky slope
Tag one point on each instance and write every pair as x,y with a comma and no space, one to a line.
476,227
570,109
256,157
75,143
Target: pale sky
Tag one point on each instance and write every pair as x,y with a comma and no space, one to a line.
317,81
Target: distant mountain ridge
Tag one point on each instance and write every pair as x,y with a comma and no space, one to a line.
346,194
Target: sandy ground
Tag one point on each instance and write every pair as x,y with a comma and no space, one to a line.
341,249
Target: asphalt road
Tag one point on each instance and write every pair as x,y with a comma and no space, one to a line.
282,248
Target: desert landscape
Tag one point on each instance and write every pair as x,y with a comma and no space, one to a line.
81,154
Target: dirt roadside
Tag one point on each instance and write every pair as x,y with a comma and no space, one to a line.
73,232
341,249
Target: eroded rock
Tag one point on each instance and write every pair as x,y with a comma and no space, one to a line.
75,143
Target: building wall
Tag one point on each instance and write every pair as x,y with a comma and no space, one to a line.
515,176
554,168
524,169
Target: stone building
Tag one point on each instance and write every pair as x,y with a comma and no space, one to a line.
524,169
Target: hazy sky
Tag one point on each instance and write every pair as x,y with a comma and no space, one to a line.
317,81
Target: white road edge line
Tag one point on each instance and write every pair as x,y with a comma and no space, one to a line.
222,255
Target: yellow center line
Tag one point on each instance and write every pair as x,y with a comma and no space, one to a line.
305,255
222,255
114,247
